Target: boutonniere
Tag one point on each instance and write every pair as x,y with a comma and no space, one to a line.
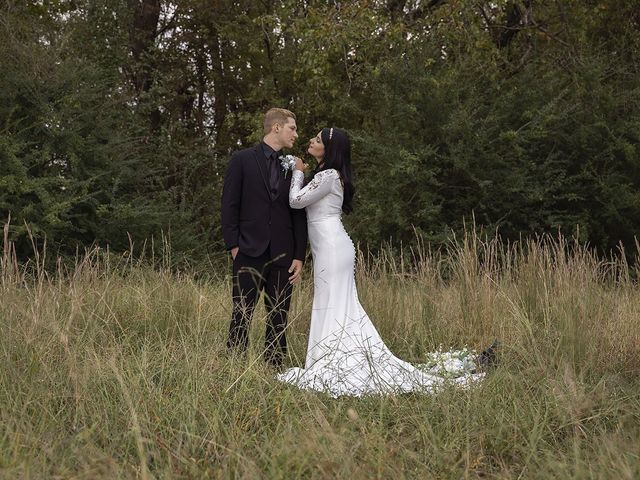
288,163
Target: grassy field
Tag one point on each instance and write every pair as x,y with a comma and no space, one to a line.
116,369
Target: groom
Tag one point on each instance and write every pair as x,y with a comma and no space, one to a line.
266,237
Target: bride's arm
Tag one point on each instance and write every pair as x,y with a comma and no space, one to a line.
317,188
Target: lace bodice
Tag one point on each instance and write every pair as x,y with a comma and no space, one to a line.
322,197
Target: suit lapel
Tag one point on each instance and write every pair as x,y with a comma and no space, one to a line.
284,180
257,153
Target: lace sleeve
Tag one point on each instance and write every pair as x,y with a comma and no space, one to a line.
317,188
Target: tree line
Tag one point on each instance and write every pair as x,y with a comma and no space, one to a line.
117,118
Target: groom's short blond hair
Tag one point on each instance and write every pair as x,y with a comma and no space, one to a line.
276,115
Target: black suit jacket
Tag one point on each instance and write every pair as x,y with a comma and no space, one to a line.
254,222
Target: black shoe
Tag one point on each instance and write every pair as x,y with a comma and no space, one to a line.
488,359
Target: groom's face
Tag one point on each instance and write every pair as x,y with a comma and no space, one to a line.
287,133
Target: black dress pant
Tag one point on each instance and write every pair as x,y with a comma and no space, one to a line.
251,276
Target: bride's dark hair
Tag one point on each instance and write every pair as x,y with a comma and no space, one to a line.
337,155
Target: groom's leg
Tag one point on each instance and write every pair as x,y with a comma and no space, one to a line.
278,292
248,281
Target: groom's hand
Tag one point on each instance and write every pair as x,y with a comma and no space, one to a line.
295,270
234,252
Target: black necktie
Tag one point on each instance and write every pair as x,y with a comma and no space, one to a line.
273,174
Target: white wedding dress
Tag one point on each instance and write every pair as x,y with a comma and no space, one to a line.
345,354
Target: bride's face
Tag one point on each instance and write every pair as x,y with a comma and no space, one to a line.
316,147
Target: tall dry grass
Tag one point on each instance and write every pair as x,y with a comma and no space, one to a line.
115,368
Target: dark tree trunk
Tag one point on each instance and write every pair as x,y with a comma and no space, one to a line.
142,35
515,23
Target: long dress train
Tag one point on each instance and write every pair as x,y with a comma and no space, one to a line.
345,353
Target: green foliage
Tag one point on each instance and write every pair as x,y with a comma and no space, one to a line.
120,117
72,164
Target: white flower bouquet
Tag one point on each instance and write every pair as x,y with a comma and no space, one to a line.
451,363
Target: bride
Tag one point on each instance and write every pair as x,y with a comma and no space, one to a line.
345,354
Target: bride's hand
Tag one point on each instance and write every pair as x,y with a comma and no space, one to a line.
300,165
